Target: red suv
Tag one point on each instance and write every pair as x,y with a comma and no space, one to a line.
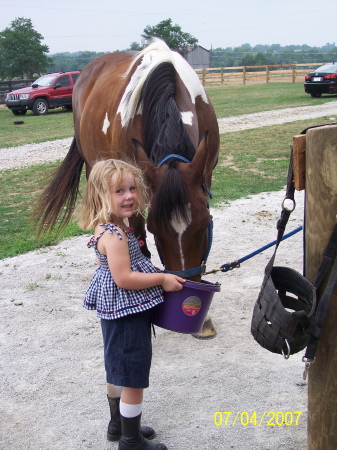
47,92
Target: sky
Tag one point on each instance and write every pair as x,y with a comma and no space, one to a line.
108,25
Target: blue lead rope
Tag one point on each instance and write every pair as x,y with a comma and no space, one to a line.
236,264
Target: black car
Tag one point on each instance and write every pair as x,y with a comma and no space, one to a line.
322,81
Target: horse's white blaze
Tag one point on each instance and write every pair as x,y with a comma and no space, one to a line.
106,123
153,55
180,226
187,117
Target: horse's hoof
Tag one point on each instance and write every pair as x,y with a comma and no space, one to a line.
208,331
203,336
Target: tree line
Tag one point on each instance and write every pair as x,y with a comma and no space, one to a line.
22,54
261,55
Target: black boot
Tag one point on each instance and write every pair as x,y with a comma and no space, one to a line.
115,427
132,439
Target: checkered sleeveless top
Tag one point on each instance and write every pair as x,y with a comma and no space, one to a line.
109,300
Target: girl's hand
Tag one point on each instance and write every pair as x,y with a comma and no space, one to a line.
172,282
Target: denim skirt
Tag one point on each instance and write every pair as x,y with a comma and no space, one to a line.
128,349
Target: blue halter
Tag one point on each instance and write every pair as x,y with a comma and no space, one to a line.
173,156
200,270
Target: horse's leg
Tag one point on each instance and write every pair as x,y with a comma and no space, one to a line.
208,330
137,222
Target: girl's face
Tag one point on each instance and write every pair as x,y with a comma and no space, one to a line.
124,198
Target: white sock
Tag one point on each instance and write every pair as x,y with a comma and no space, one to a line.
130,411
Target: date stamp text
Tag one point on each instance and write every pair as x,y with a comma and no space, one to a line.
245,418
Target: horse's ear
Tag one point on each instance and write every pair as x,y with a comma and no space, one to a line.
140,155
199,160
143,161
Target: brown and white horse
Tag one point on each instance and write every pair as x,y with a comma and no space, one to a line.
148,108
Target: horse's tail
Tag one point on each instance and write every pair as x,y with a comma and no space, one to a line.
61,191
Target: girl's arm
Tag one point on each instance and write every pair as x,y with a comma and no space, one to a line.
117,252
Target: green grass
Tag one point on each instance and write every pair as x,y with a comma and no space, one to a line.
236,100
57,124
255,161
19,190
250,162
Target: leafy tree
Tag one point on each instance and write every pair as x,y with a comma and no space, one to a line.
62,62
65,62
135,46
328,47
333,53
248,59
22,53
261,59
173,35
244,48
222,57
84,58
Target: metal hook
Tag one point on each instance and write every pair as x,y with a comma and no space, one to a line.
287,208
287,356
307,362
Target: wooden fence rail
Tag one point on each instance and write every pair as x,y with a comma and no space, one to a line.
230,76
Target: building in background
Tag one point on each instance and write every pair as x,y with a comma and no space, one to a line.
198,57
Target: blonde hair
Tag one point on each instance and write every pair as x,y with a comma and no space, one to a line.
95,206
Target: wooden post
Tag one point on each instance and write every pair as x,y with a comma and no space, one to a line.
267,74
221,75
321,210
294,73
299,143
244,74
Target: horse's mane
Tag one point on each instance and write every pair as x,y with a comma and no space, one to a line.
164,134
142,65
152,92
163,130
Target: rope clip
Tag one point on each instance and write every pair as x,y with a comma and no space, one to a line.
286,356
307,362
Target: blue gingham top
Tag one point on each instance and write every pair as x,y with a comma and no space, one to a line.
111,301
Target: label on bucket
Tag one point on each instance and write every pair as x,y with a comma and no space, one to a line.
191,306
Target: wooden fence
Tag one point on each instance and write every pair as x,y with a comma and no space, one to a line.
230,76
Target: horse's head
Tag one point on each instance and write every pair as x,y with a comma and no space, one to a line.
179,216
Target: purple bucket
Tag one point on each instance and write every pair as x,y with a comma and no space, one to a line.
185,311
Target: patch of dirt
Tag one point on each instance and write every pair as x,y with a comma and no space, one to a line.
53,382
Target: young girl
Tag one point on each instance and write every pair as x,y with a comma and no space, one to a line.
124,289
